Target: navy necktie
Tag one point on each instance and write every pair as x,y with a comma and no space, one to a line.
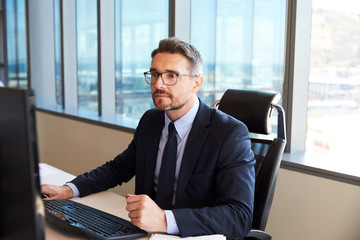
166,180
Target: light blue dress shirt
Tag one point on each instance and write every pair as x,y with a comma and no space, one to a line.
183,126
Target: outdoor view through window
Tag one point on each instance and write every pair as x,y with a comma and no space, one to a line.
334,85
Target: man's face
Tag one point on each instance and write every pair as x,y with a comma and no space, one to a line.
176,96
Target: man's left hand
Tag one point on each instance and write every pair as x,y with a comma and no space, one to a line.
145,213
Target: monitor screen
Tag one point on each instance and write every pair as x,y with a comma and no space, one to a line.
21,206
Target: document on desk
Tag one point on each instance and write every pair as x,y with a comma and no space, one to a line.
50,174
46,170
157,236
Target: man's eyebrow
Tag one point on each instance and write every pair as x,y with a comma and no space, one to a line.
166,70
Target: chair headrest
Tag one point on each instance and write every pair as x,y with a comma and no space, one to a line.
251,107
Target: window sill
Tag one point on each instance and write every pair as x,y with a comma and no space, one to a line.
312,164
301,161
112,121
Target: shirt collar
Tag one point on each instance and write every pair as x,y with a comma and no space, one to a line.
184,124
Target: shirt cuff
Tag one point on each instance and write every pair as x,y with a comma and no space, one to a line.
75,190
172,227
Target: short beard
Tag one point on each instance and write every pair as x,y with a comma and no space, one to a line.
169,108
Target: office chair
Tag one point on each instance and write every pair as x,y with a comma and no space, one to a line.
254,109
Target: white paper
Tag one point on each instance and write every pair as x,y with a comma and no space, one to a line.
157,236
46,170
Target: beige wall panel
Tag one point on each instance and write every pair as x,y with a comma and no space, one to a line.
310,207
76,147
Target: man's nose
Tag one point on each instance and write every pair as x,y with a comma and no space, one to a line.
159,82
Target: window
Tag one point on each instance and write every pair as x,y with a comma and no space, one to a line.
16,44
87,54
242,44
334,84
58,52
138,31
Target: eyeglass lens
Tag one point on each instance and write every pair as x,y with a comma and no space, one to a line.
167,78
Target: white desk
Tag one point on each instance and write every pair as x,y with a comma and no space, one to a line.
106,201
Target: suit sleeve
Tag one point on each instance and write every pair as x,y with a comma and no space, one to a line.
124,166
234,179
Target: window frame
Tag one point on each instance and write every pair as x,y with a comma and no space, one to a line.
297,62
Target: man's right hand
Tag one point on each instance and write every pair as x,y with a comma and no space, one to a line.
56,192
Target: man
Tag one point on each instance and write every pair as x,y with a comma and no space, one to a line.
213,189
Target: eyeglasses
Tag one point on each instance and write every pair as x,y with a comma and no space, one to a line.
168,78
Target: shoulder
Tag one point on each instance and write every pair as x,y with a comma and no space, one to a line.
151,122
218,120
151,116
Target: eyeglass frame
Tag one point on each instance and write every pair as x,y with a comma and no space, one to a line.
160,74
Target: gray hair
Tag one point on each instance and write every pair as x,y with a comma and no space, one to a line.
175,45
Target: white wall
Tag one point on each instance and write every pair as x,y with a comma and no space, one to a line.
304,207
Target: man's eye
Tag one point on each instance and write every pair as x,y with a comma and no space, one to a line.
154,74
172,75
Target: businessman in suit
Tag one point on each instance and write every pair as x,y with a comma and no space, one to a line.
211,176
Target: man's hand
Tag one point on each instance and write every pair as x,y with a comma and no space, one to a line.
145,213
56,192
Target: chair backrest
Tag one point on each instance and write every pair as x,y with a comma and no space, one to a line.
254,109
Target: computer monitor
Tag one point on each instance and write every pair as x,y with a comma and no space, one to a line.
21,207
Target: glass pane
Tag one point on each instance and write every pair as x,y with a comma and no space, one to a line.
87,54
138,31
242,44
334,84
58,58
16,43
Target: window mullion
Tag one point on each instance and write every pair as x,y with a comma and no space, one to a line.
42,56
182,19
69,51
107,56
297,72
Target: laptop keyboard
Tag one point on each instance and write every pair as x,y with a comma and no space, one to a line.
96,224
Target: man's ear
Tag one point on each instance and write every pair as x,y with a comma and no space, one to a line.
197,83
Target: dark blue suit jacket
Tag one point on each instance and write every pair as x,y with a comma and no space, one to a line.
215,189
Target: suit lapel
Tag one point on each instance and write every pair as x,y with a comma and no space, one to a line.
194,144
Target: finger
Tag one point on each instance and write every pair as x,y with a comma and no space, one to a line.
132,198
44,188
50,198
131,207
137,222
133,214
45,191
135,203
51,193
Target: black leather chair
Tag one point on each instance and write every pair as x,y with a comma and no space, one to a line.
254,108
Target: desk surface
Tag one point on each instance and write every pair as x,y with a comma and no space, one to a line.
106,201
